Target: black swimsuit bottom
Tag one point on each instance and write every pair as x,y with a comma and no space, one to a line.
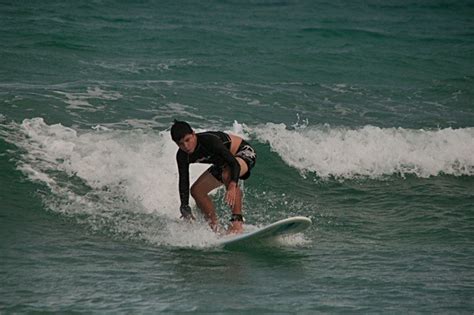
246,153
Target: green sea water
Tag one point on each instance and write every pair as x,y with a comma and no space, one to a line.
362,115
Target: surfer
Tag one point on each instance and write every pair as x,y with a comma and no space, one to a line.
231,157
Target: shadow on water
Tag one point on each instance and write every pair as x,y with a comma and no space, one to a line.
239,260
267,251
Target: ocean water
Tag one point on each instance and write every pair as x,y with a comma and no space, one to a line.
362,114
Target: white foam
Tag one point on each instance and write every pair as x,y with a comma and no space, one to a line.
107,157
118,179
115,180
240,130
372,151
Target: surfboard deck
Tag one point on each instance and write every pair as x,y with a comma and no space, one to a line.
287,226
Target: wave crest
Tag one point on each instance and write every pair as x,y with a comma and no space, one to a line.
372,151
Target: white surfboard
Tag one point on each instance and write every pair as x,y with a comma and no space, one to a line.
288,226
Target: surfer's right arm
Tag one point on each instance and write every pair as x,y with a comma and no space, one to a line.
182,160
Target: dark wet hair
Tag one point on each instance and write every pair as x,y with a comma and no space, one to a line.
179,130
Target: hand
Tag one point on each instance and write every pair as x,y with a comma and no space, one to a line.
231,194
186,212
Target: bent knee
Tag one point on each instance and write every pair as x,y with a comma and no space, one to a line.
198,192
195,191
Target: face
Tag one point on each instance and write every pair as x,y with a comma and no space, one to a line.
188,143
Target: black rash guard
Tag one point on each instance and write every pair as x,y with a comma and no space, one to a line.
213,147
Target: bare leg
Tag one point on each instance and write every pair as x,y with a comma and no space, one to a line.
200,192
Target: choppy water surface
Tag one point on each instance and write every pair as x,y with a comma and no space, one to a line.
362,116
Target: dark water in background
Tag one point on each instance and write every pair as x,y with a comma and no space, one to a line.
362,115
